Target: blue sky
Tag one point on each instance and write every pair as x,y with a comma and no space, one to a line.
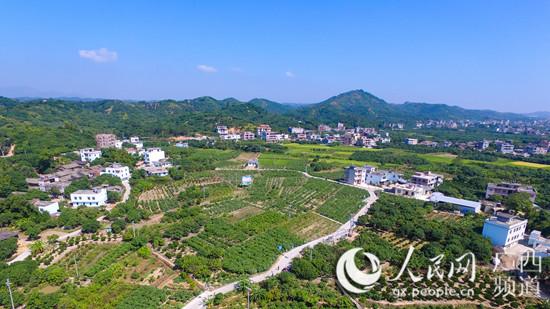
475,54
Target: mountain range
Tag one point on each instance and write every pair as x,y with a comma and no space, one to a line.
353,108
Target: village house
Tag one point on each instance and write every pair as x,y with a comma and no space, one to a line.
89,154
222,130
383,177
152,155
355,175
295,130
156,171
410,190
252,164
506,188
247,136
263,128
182,145
233,137
411,141
504,229
90,198
323,128
105,140
117,170
427,179
246,180
506,148
50,207
63,177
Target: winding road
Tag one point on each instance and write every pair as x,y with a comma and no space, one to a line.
286,258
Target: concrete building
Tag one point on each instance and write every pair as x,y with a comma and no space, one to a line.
482,145
410,190
383,177
246,180
152,155
263,128
506,148
117,170
506,188
105,140
182,145
504,229
222,130
411,141
89,154
52,208
247,136
90,198
233,137
464,206
427,179
355,175
156,171
295,130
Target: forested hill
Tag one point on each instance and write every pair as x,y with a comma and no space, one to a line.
169,117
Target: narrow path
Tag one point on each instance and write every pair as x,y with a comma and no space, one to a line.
286,258
25,254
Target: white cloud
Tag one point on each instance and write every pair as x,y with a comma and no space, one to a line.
289,74
206,68
98,55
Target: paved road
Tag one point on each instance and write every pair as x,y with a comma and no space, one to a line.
286,258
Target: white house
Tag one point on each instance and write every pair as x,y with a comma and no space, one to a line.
152,155
156,171
134,139
411,141
118,144
246,180
222,130
247,136
427,179
410,190
90,198
504,230
117,170
355,175
89,154
383,177
182,145
50,207
234,137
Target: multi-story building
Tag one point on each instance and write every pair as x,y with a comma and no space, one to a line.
295,130
536,150
323,128
506,148
105,140
504,230
506,188
411,141
247,136
90,198
222,130
89,154
482,145
427,179
355,175
340,127
152,155
117,170
263,128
